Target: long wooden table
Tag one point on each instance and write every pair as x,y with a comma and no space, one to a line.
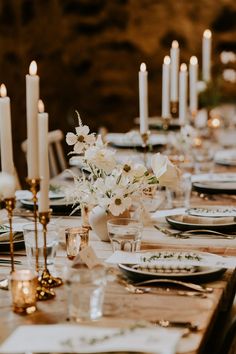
122,308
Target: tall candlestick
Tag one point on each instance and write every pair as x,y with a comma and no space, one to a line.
43,158
5,132
32,97
166,88
183,94
206,55
174,70
143,99
193,78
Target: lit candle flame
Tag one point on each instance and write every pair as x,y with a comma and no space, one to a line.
183,67
143,67
175,44
3,90
167,60
193,60
207,33
33,68
40,106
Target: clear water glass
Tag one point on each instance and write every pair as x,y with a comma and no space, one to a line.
85,293
125,234
51,244
179,197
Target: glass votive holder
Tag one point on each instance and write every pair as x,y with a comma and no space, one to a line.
23,290
76,239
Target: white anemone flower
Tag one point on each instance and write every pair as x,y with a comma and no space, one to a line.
119,204
81,140
133,170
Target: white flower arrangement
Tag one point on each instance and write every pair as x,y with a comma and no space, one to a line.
109,184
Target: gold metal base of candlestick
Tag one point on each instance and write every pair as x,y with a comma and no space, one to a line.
10,205
145,138
47,280
174,109
44,293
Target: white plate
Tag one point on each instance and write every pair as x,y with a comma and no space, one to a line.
212,211
215,183
169,272
133,139
189,222
226,157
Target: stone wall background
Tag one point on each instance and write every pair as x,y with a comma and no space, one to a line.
89,52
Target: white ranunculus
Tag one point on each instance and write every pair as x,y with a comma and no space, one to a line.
71,138
103,159
7,185
166,173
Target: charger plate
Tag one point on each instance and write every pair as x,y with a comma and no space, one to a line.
54,204
181,272
18,242
190,222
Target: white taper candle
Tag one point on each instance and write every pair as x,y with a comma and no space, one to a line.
166,88
6,133
143,99
193,79
174,70
32,97
183,94
206,55
43,158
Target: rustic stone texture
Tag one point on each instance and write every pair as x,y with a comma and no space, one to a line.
89,52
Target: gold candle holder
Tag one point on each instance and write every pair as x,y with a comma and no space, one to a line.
10,205
166,123
174,109
145,137
46,279
34,184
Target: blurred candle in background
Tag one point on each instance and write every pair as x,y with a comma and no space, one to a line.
6,132
174,70
32,97
166,88
206,55
143,99
193,78
183,94
43,158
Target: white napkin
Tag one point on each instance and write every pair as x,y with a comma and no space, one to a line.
82,339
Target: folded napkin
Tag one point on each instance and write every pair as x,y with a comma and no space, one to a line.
6,236
88,339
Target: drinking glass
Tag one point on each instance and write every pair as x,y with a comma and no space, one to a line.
52,243
85,293
125,234
179,196
76,239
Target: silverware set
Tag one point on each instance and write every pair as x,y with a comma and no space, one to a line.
196,233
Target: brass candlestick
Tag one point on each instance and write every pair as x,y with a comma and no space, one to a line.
34,184
10,205
174,109
166,123
145,137
46,279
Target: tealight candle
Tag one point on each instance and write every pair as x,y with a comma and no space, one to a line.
206,55
5,132
143,99
183,94
43,158
23,290
193,79
166,88
32,97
